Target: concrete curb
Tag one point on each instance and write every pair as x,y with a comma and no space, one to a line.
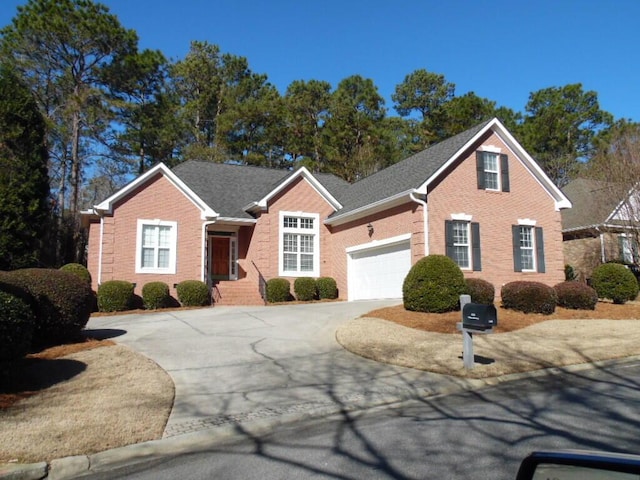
118,458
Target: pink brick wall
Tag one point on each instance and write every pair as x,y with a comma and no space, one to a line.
264,246
156,199
497,212
406,218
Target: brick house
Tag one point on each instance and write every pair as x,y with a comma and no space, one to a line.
477,197
602,226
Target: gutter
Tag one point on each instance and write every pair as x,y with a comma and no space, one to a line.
365,210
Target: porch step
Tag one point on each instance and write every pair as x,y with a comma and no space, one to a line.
236,293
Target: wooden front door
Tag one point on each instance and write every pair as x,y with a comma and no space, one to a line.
220,257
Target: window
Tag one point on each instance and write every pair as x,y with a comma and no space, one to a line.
299,244
462,240
493,171
628,248
156,247
528,249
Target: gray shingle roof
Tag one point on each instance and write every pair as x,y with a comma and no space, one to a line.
407,174
593,201
228,188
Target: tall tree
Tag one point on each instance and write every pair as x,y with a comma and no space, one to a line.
422,92
24,183
354,129
145,111
559,127
59,48
306,111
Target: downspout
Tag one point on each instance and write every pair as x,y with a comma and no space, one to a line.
425,221
100,250
602,249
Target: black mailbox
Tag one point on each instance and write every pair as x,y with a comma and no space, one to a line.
476,316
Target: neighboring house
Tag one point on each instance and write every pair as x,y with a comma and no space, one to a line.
601,226
477,197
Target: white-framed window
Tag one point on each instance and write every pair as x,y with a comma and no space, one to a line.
461,244
156,246
628,248
491,171
299,244
527,248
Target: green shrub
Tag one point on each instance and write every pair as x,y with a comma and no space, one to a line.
434,284
529,297
193,293
615,282
78,270
61,303
155,295
569,273
576,295
115,296
278,290
16,325
305,289
327,288
480,290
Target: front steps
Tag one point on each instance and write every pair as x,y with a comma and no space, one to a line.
239,292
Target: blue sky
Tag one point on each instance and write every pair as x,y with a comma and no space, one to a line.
501,50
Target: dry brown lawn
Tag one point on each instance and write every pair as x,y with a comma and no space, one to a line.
80,399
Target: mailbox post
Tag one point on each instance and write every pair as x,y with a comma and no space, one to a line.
476,318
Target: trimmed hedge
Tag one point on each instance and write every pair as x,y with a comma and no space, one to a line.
529,297
78,270
615,282
115,296
480,290
16,325
434,284
305,289
155,295
327,288
278,290
62,303
193,293
576,295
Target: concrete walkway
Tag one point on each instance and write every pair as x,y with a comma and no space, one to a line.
232,364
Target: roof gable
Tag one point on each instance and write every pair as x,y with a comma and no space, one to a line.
160,169
303,173
595,204
414,174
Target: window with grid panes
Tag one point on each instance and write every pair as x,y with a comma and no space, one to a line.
299,241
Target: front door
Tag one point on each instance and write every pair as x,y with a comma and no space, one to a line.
220,258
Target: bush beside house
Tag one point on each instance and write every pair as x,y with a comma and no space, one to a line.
434,284
115,296
193,293
576,295
615,282
529,297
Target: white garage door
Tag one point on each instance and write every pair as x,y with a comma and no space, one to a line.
378,272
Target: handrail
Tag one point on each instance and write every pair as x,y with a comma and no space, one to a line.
262,283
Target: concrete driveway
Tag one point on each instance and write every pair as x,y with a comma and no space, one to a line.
232,364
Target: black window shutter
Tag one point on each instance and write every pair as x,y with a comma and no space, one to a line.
504,172
540,250
480,169
448,238
475,247
517,260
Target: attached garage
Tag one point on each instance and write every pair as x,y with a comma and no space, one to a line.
377,269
